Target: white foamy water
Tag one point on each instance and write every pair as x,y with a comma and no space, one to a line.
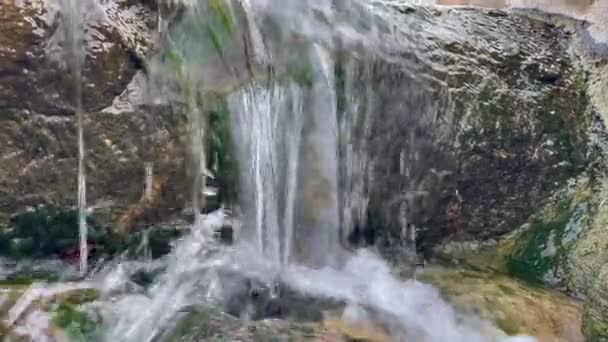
411,310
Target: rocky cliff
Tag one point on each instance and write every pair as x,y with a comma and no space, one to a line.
471,124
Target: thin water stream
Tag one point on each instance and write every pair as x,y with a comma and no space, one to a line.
74,26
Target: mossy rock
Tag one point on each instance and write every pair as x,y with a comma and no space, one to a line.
514,306
539,247
208,324
77,325
595,319
539,250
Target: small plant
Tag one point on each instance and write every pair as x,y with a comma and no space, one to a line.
50,231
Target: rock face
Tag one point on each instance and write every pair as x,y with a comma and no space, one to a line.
515,307
473,124
35,59
207,324
37,96
564,243
130,122
40,158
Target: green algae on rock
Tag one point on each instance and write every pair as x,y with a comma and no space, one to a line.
515,307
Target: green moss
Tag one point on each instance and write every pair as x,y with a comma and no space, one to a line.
79,297
301,73
198,40
507,325
221,152
531,259
77,324
158,244
509,291
221,13
50,231
27,277
594,330
194,325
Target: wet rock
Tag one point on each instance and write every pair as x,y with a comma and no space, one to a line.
204,323
515,307
562,246
471,133
595,324
39,131
40,166
30,314
45,232
35,73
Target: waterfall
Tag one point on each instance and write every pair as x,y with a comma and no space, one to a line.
267,123
301,140
73,27
355,110
197,153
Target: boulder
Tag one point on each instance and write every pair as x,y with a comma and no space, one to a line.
37,99
512,305
475,119
204,323
35,59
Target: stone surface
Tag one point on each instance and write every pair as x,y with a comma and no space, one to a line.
40,166
564,246
471,126
35,67
515,307
595,324
37,99
206,324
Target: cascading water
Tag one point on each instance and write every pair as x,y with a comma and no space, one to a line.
291,135
301,141
268,128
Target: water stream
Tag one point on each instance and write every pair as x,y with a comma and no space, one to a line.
302,146
73,27
291,134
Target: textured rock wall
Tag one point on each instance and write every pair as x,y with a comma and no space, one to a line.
37,96
473,125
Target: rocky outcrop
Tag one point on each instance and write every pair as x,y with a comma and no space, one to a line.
36,71
564,243
515,307
205,324
40,167
469,131
37,99
595,325
134,114
563,246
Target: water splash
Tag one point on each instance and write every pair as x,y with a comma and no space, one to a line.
410,310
